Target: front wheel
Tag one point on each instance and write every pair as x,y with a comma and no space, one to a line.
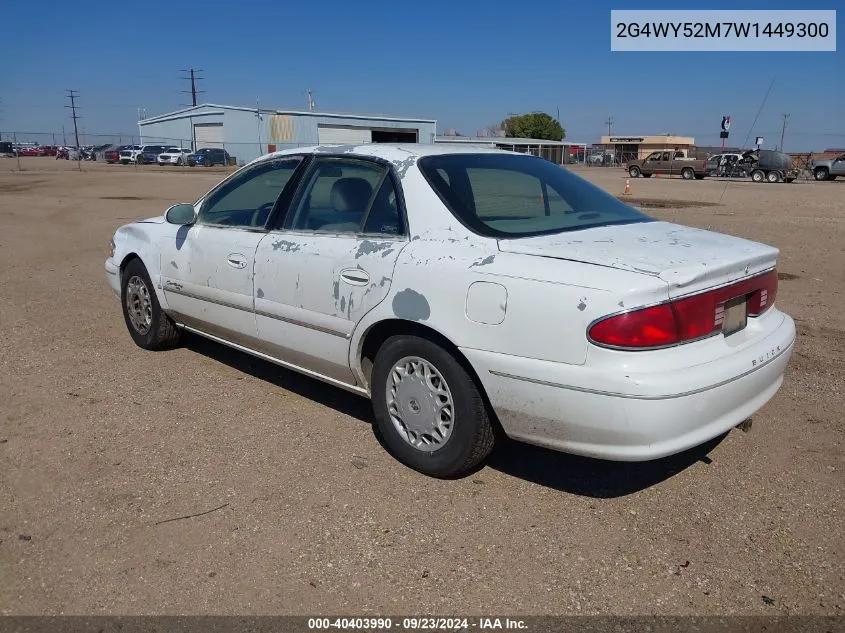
687,173
428,409
147,323
820,173
634,172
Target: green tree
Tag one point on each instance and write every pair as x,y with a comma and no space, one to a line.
534,125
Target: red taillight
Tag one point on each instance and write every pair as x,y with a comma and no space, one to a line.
685,319
764,297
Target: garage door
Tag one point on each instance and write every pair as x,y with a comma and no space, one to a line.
208,135
344,135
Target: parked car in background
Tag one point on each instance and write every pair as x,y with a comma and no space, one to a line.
461,288
29,151
669,163
173,156
828,169
112,154
208,157
47,150
149,154
129,154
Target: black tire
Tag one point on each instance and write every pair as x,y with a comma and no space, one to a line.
634,172
472,436
821,173
687,173
758,176
162,332
773,176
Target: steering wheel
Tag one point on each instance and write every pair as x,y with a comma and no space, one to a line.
267,206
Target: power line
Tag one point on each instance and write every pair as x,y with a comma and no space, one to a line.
193,76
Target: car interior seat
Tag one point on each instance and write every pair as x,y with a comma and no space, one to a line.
349,197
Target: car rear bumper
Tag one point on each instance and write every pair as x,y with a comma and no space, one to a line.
637,416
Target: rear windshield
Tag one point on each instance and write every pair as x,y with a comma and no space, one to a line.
512,195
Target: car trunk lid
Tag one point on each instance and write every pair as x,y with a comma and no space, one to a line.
686,258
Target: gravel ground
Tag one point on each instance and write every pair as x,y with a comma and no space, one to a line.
101,444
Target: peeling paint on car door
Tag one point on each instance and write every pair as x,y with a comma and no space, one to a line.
311,289
206,275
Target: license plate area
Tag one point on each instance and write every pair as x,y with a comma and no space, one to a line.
735,316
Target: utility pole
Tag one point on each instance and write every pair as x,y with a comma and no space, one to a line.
73,96
194,77
311,103
783,130
609,124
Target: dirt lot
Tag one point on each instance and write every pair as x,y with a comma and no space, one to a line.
101,443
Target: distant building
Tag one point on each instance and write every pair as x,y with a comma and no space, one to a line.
247,133
554,151
639,146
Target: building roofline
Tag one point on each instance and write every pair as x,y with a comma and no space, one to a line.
337,115
503,140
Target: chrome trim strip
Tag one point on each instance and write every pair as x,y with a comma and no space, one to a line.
169,287
629,396
276,361
310,326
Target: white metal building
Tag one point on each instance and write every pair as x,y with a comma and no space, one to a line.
247,133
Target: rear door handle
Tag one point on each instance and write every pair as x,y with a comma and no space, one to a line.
236,260
355,276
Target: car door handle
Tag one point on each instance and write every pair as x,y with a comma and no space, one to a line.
355,276
236,260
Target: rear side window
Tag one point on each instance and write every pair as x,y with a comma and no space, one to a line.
337,195
510,195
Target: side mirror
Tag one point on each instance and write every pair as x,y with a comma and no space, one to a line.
180,214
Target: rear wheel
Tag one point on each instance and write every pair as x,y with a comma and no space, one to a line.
634,172
758,176
687,173
428,408
773,176
147,323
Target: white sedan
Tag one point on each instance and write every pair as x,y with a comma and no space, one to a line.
173,156
466,292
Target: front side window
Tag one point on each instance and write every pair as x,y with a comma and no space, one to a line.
503,195
346,196
247,199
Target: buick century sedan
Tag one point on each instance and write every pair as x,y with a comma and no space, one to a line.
470,294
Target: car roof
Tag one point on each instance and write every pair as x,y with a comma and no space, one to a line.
388,151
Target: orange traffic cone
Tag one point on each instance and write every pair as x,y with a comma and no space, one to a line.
627,191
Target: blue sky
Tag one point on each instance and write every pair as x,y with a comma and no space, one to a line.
465,63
